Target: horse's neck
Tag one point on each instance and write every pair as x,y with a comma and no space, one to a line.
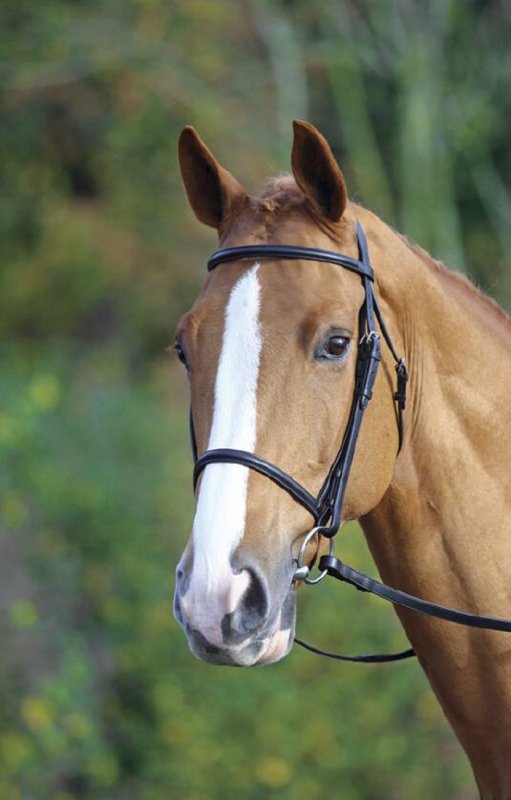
443,529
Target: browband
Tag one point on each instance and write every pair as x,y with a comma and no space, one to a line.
284,251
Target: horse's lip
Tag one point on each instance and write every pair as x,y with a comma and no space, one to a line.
277,643
277,648
263,647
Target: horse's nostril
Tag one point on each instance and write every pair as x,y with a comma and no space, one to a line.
250,612
255,599
177,608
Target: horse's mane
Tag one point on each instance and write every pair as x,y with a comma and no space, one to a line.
461,283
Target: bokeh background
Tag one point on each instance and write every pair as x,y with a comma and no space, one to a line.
99,696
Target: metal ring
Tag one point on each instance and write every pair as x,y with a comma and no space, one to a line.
302,570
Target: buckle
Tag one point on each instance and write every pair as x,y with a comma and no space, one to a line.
367,364
402,379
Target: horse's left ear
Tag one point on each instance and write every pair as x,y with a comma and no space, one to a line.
316,171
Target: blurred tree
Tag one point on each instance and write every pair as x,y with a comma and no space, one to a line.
97,240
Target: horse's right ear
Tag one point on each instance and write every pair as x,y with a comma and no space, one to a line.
212,191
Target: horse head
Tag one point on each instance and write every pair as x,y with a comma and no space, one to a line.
271,347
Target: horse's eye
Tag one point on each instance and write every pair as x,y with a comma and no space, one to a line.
334,348
337,346
180,352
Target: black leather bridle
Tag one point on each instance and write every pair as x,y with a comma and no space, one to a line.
326,508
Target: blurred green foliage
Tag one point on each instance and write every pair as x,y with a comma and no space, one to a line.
99,696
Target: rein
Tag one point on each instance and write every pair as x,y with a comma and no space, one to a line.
326,508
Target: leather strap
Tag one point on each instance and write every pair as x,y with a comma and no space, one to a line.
285,251
401,374
370,658
342,572
255,462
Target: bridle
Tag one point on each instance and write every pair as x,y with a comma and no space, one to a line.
326,508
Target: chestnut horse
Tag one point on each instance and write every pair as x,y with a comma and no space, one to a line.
271,350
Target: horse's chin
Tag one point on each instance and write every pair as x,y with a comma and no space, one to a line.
254,654
278,646
266,648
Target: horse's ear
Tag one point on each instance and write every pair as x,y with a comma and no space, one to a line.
316,171
212,191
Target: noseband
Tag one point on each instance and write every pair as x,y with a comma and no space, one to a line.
326,508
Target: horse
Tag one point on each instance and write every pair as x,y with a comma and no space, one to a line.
271,346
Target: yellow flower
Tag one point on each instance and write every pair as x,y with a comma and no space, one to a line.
273,772
78,726
44,392
24,614
14,750
103,767
37,713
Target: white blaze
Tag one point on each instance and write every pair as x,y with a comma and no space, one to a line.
221,507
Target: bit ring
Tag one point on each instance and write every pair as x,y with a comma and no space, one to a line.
302,571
